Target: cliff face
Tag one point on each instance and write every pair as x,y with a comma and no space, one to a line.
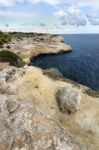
30,117
28,47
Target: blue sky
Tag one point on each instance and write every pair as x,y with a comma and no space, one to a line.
50,16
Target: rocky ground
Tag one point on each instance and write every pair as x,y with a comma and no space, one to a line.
39,110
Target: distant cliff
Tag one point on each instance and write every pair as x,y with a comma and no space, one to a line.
29,45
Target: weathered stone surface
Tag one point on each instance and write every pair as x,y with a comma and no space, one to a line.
7,72
26,128
30,118
68,99
53,73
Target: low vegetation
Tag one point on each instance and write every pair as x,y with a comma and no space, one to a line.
12,58
4,38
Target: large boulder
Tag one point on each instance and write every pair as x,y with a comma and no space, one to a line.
68,99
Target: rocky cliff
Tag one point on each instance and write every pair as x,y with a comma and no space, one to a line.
28,46
39,110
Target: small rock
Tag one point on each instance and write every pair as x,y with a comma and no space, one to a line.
6,73
12,105
2,81
68,99
53,73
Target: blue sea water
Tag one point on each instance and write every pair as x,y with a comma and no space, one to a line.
80,65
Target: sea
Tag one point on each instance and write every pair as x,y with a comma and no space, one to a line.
81,65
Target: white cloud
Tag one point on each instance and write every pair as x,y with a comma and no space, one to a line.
6,2
60,13
12,2
93,3
39,29
72,16
93,18
11,14
42,24
53,29
53,2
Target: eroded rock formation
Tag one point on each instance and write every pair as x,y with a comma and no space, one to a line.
30,118
28,47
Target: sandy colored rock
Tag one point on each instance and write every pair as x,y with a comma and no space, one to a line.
27,48
30,118
68,99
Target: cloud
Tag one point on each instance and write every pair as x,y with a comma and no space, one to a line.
12,2
6,2
93,3
10,14
72,16
42,24
60,13
47,29
93,18
53,29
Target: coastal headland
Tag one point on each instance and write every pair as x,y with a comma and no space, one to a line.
39,109
28,45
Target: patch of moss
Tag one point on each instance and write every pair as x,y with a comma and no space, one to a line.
12,58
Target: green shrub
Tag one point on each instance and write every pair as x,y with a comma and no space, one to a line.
1,42
4,38
12,58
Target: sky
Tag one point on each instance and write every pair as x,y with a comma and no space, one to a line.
50,16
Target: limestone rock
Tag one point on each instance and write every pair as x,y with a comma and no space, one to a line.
30,118
68,99
53,73
30,47
57,38
23,127
7,72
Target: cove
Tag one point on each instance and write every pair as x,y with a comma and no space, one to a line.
81,65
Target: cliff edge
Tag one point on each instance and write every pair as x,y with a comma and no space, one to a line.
38,112
27,46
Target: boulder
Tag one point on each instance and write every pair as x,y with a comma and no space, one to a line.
53,73
68,99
